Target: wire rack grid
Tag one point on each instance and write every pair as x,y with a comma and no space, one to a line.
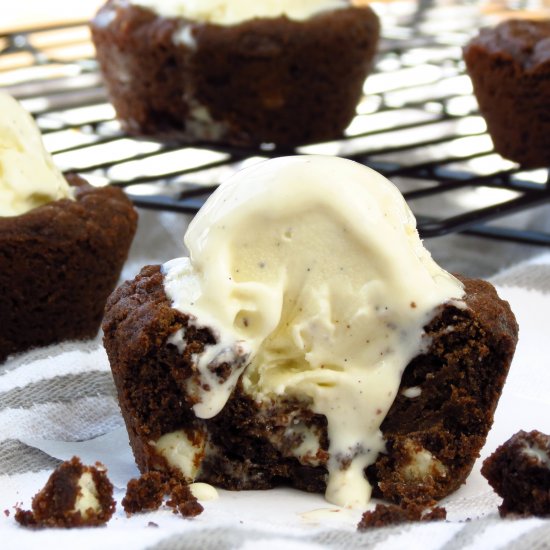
417,123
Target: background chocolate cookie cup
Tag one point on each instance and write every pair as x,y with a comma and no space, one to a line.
265,80
58,264
510,70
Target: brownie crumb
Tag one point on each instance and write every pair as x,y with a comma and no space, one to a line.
7,513
148,492
393,514
183,501
74,496
519,471
152,524
25,518
144,493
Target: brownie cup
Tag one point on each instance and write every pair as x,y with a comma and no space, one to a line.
433,432
510,70
264,80
519,471
58,264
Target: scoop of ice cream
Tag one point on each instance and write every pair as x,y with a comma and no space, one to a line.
231,12
312,269
28,176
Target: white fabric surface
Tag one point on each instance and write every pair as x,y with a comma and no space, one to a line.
59,401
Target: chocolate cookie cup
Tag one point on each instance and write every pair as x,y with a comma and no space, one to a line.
264,80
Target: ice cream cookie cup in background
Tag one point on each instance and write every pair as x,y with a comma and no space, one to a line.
241,72
510,70
63,242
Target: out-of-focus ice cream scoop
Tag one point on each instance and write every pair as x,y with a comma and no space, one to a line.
28,176
311,271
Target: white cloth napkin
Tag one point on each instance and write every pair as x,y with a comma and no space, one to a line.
59,401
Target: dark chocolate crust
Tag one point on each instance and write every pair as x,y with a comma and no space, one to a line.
144,493
460,379
521,479
384,515
510,70
147,493
58,264
54,505
264,80
182,501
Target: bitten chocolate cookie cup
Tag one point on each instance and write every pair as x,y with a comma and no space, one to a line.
510,70
261,81
58,264
433,432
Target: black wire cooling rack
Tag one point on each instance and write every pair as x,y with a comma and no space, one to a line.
417,124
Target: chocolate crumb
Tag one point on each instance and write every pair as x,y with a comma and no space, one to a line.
144,493
56,504
393,514
148,492
25,518
183,500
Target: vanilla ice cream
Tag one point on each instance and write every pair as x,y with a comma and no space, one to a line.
312,276
231,12
28,176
